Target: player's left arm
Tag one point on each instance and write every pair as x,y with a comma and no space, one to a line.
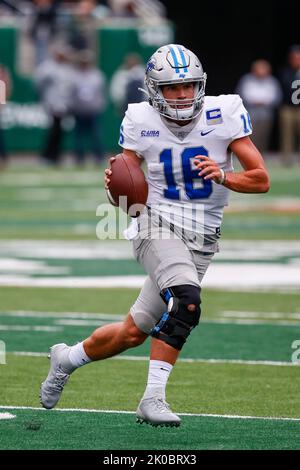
254,178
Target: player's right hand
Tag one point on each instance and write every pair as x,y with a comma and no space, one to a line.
108,173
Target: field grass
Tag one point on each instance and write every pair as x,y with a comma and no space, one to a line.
61,204
118,301
197,385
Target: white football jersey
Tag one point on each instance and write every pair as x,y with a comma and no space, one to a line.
175,189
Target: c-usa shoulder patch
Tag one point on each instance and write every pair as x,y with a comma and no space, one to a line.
213,116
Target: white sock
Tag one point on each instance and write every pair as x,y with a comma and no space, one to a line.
158,375
78,356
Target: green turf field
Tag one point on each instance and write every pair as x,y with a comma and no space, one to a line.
235,385
61,204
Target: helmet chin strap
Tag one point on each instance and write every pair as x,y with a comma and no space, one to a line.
184,114
144,91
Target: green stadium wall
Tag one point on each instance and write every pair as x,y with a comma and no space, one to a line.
24,120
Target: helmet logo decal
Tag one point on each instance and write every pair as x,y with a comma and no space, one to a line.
150,66
182,64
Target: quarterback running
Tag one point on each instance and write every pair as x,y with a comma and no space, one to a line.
187,141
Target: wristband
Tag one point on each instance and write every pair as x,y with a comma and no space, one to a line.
223,176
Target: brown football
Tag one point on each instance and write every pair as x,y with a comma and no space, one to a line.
128,186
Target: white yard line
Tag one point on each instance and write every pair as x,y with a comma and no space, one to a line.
260,315
74,282
73,322
229,276
57,179
227,317
247,272
6,416
35,314
62,249
187,360
205,415
244,321
40,328
257,250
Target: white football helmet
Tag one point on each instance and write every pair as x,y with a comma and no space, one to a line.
169,65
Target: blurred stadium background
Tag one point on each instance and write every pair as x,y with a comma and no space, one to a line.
237,383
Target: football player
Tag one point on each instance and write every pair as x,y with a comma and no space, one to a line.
187,141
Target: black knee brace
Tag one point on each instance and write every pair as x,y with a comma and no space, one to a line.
176,324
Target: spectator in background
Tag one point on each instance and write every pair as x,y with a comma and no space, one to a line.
88,105
290,110
5,91
54,80
261,93
82,26
43,27
148,10
126,81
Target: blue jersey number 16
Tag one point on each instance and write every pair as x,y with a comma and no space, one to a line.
189,175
